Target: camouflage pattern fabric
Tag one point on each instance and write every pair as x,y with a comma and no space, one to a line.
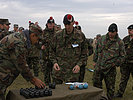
82,74
127,67
68,50
47,64
82,68
33,59
13,60
109,79
108,55
33,63
4,33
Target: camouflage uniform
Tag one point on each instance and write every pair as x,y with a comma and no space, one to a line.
33,59
3,33
127,67
108,55
68,50
47,64
12,60
82,68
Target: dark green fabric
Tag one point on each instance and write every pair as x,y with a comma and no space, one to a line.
63,93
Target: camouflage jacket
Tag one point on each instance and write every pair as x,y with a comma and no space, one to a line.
47,37
68,51
34,51
12,57
109,53
4,33
129,48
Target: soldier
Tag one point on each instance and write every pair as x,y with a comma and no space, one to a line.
78,27
127,67
58,27
4,28
48,34
13,60
82,68
20,29
98,36
15,28
33,51
68,52
109,53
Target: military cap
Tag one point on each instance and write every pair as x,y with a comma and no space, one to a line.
78,27
113,28
130,27
21,28
68,18
58,25
50,20
15,25
4,21
98,34
36,29
1,21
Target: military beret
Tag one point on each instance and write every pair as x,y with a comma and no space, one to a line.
30,23
77,25
130,27
113,28
50,20
68,18
15,25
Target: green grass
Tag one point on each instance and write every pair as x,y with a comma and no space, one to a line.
128,95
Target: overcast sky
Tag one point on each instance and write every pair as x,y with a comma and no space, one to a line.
94,16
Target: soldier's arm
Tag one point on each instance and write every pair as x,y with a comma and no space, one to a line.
122,54
23,68
84,51
52,50
20,51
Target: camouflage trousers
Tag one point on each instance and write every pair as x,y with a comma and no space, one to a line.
47,71
125,70
109,79
57,81
82,74
33,63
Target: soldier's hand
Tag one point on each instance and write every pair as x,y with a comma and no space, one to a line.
37,82
56,67
43,47
76,69
94,64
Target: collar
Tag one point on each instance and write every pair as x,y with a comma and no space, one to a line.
115,38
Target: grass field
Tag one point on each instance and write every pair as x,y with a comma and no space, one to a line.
128,95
